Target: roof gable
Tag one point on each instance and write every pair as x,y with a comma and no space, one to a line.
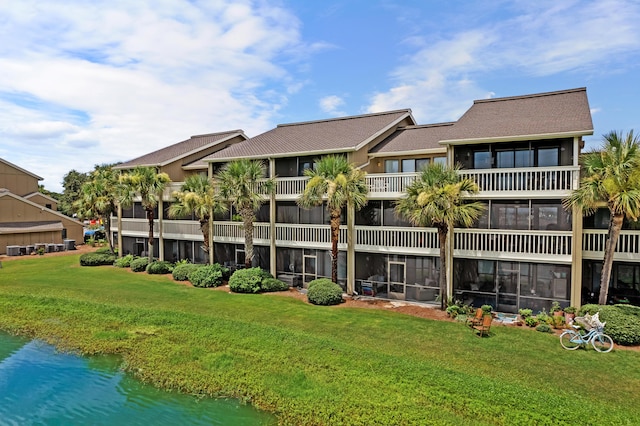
315,137
20,169
414,139
180,150
559,113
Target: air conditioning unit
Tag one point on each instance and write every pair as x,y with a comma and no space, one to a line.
69,244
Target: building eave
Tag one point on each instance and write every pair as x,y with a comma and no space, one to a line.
540,136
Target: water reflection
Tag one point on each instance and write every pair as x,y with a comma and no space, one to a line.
40,386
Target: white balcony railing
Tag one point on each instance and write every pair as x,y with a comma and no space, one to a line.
627,248
233,232
532,179
397,239
514,244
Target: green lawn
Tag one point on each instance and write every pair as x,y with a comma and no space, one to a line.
316,365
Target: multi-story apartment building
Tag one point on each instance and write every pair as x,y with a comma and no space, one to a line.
28,217
525,251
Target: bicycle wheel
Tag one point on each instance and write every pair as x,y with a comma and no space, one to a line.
602,343
570,340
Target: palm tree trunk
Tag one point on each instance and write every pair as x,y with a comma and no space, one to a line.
204,228
615,225
335,236
247,218
106,220
150,242
442,238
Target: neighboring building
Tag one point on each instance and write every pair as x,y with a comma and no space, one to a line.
525,252
28,217
178,161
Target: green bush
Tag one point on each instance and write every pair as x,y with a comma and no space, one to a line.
531,321
104,250
622,321
139,264
487,309
124,261
544,328
181,271
325,293
97,259
159,267
273,284
207,276
248,280
318,281
525,313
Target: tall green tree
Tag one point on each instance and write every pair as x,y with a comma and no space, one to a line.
611,177
148,184
198,196
338,182
98,197
72,183
240,184
436,199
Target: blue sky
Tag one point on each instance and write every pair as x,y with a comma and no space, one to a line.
85,83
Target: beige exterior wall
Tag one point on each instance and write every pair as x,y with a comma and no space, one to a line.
43,201
17,181
18,210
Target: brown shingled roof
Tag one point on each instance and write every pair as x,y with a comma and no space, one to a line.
330,135
181,149
564,112
414,139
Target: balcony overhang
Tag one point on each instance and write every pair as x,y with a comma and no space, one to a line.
496,139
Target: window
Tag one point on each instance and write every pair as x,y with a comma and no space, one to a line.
408,166
481,160
509,216
421,163
391,166
440,160
548,157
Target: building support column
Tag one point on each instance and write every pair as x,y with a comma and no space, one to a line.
160,229
272,221
351,252
449,257
576,227
211,220
119,222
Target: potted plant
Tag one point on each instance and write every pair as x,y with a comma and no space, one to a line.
570,313
556,310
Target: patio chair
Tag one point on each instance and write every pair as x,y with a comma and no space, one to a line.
484,327
476,319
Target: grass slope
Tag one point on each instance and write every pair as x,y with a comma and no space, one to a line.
315,365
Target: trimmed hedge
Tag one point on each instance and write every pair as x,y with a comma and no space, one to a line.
207,276
159,267
139,264
124,261
248,280
622,321
318,281
324,293
273,284
181,272
97,259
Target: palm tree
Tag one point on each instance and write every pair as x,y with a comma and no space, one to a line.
239,184
611,177
435,199
97,198
148,184
197,195
338,182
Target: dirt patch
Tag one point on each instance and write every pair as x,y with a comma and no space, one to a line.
80,249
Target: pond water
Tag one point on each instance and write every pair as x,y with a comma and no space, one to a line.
41,386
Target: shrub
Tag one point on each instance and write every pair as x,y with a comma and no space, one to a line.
531,321
139,264
207,275
318,281
103,250
544,328
273,284
159,267
124,261
525,313
622,321
557,321
248,280
325,293
97,259
486,309
181,271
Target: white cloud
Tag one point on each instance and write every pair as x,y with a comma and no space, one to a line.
111,80
547,37
331,105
